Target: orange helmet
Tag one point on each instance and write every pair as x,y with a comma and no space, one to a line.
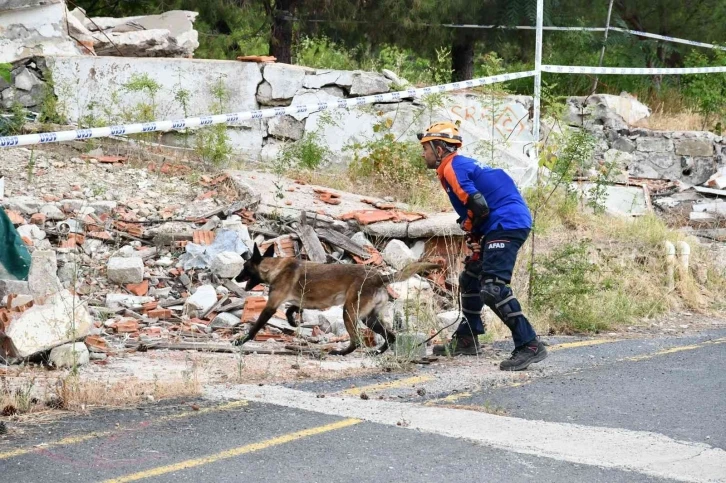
441,131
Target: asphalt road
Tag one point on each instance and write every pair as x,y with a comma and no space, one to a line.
630,411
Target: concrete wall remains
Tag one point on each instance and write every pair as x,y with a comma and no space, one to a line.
496,131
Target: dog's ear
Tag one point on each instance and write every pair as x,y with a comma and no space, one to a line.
270,252
256,255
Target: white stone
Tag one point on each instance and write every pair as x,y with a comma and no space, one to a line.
202,300
225,320
331,321
116,300
418,249
227,264
91,246
165,261
397,254
104,207
61,319
52,212
26,80
415,288
285,127
70,355
285,80
42,278
448,318
628,107
31,231
360,239
125,270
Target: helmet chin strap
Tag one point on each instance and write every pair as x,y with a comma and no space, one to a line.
436,153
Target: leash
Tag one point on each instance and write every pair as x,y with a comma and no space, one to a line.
459,318
474,257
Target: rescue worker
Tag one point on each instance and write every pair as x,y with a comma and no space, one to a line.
497,221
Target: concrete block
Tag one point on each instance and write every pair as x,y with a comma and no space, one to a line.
225,320
61,319
42,278
202,300
654,145
70,355
227,264
52,212
694,147
125,270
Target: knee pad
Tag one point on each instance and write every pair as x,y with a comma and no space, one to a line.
501,300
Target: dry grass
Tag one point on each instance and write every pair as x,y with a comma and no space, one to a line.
76,394
682,121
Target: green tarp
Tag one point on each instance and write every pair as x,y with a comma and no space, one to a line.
14,255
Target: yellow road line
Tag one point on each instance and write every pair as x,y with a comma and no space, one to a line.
100,434
674,350
231,453
356,391
582,343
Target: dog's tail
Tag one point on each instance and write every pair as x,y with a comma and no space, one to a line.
410,270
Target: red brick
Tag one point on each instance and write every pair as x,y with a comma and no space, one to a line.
77,237
101,235
149,306
67,244
203,237
139,289
96,341
27,241
151,331
159,313
38,219
127,326
15,217
253,308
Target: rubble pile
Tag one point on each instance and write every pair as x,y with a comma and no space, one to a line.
133,269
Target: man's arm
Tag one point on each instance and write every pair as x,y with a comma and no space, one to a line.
458,177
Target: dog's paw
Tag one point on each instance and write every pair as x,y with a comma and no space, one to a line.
240,341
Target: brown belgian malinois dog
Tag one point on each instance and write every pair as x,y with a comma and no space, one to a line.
309,285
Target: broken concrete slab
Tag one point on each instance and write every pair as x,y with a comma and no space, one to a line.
227,264
285,80
321,78
122,270
368,83
202,300
69,355
62,318
225,320
285,128
52,212
436,224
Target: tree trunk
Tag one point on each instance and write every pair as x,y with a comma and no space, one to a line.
281,38
462,58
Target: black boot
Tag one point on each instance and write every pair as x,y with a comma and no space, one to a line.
521,358
459,345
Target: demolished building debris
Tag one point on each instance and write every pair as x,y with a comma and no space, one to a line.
123,273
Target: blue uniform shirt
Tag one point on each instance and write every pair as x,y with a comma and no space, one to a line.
462,176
